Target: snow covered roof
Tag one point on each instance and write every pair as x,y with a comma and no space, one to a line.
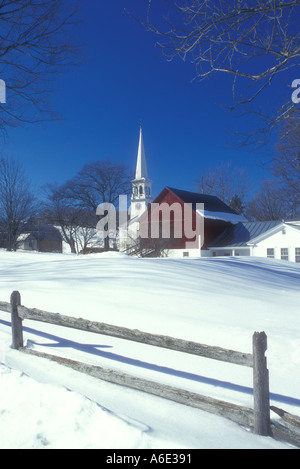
41,232
233,218
23,237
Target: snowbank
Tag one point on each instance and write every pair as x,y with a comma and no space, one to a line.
213,301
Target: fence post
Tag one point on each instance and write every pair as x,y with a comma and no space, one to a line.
16,321
261,395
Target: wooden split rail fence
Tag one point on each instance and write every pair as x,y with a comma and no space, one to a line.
257,418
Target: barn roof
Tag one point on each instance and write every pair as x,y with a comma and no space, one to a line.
211,202
214,208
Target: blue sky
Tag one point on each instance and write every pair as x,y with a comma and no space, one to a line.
121,82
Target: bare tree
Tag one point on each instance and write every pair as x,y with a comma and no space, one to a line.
286,163
254,41
269,203
226,182
73,205
86,236
98,183
61,213
237,204
17,203
76,225
35,46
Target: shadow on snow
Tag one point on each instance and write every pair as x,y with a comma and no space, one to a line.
94,349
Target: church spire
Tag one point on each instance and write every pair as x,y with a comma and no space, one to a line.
141,167
141,195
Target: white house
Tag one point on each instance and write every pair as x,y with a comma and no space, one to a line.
271,239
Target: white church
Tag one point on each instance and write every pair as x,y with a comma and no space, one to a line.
225,232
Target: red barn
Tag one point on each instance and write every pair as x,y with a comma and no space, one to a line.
178,218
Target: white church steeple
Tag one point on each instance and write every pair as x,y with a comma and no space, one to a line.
141,186
141,167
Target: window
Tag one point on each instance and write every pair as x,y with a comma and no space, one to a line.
297,254
270,253
186,254
285,254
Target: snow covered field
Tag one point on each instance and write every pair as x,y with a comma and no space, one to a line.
212,301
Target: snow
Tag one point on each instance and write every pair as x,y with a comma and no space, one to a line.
216,301
233,218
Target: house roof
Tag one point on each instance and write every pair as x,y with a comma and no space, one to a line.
294,225
42,232
242,234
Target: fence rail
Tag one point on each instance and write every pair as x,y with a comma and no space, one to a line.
216,353
5,306
257,418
